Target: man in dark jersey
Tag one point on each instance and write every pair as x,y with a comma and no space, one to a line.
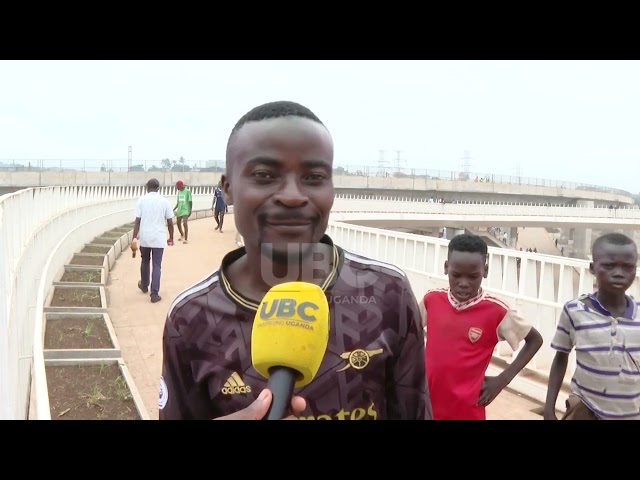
279,179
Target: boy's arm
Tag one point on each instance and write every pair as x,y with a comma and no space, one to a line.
513,329
423,313
563,342
423,317
556,376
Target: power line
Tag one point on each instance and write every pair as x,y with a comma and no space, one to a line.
398,161
466,162
382,164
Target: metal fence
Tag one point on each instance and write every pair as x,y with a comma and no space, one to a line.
218,166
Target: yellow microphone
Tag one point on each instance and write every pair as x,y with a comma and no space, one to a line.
289,339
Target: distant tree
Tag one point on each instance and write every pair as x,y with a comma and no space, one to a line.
180,167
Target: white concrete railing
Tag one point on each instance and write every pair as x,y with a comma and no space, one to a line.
389,198
537,290
349,209
544,278
40,229
26,240
67,172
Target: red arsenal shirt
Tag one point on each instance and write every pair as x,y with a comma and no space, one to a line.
460,340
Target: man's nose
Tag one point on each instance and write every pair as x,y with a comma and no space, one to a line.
291,193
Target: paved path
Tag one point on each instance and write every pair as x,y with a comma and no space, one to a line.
139,323
538,238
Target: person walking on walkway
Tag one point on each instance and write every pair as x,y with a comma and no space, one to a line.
219,206
152,211
183,209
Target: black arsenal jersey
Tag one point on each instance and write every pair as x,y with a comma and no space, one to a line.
373,368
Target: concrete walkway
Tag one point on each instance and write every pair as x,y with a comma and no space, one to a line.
538,238
139,323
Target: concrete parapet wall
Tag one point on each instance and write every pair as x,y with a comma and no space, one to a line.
449,188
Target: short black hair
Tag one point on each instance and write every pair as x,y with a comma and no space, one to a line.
279,109
282,108
153,184
613,238
468,242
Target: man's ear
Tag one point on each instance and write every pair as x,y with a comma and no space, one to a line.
226,189
446,267
591,268
486,270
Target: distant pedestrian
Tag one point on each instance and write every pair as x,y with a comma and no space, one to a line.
219,206
183,208
152,211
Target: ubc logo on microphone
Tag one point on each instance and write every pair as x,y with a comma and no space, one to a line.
291,329
287,307
287,311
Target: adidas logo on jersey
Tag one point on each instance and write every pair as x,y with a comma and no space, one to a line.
235,385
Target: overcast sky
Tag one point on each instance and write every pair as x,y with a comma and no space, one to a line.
567,120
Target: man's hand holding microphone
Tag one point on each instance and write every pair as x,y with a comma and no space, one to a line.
288,341
260,406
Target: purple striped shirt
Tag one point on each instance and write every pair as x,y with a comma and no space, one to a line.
607,374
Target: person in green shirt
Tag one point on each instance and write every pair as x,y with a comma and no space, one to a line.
183,210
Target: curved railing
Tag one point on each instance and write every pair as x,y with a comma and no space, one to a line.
492,214
422,200
41,228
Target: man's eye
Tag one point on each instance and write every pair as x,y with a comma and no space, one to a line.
316,177
262,175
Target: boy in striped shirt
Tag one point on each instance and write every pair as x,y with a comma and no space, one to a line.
604,328
463,325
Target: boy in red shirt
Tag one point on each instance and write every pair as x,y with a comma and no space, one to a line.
463,325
